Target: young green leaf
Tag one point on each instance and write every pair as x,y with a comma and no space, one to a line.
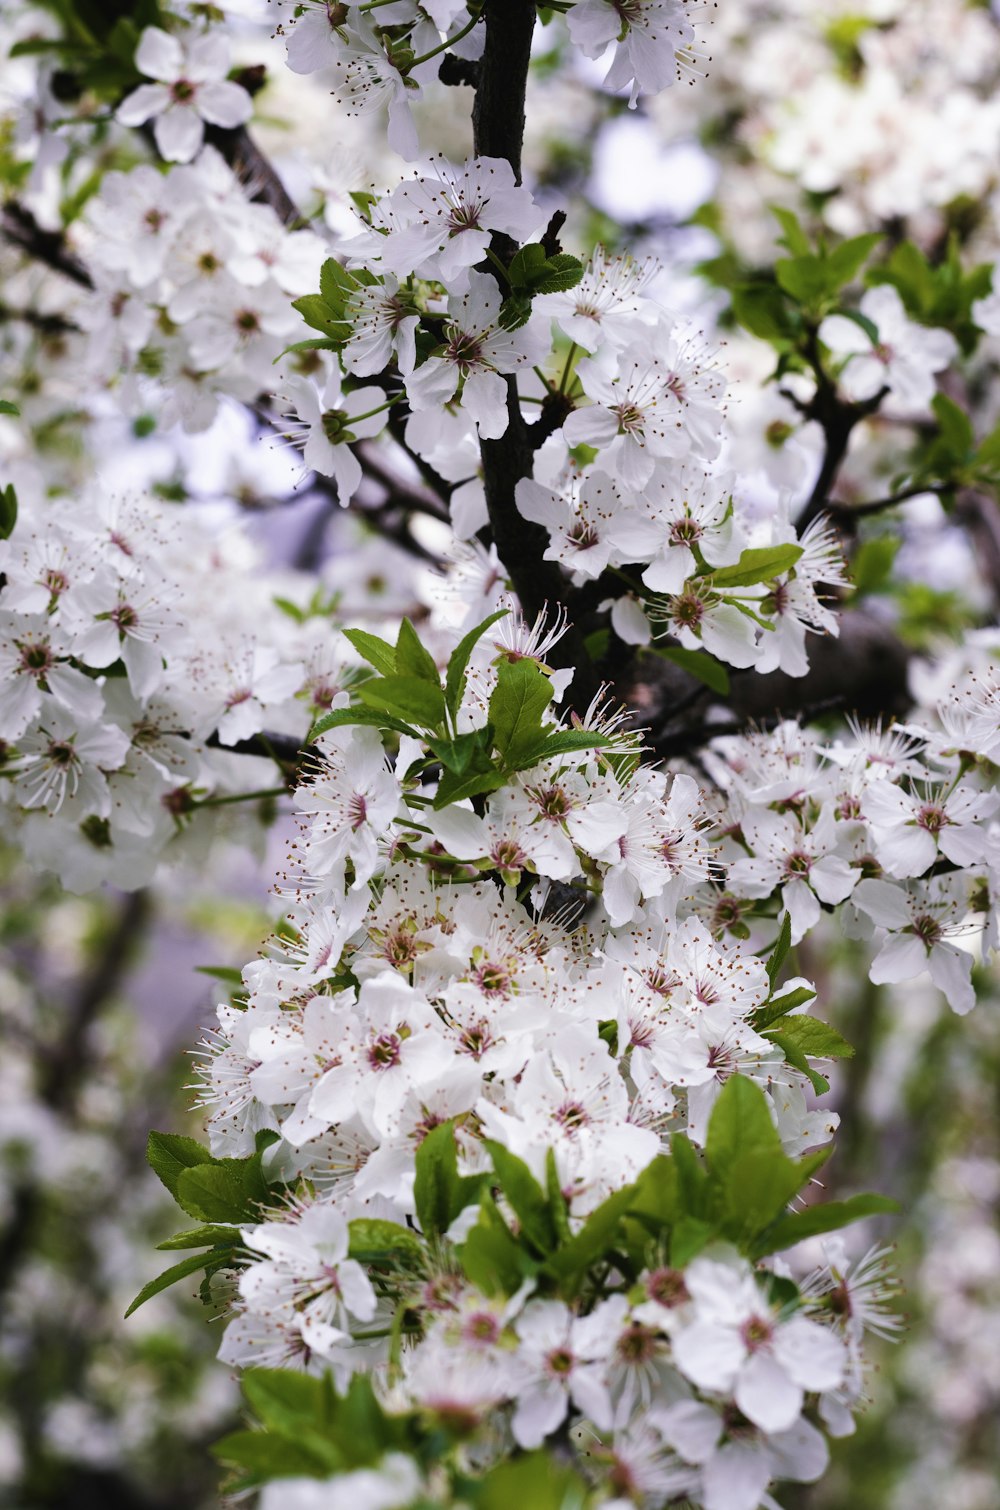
828,1217
412,659
527,1198
169,1154
407,697
780,952
796,1057
814,1037
167,1278
340,718
201,1237
377,652
778,1006
758,564
521,696
454,683
378,1242
440,1193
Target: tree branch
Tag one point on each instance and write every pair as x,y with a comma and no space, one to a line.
498,131
255,171
22,230
865,672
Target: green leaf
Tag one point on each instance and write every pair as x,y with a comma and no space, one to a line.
491,1257
561,272
169,1154
368,717
266,1455
593,1243
560,742
228,1190
758,564
202,1237
845,261
781,950
378,1242
815,1038
697,663
740,1124
527,266
527,1198
873,561
319,316
779,1005
284,1399
8,511
406,696
452,788
521,696
763,310
336,285
806,278
6,407
796,1057
797,1226
458,662
222,972
793,236
956,432
377,652
534,1481
412,659
691,1176
515,312
440,1193
167,1278
688,1238
558,1209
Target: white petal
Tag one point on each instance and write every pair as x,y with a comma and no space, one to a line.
224,103
766,1395
179,133
159,55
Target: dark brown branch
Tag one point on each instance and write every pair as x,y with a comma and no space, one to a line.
498,112
255,172
22,230
837,420
865,672
45,324
498,131
278,747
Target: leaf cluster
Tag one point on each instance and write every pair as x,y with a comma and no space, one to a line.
407,697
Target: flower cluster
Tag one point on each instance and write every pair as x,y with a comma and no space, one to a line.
630,487
130,637
193,289
534,976
380,56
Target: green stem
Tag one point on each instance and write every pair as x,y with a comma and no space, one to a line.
443,46
569,362
491,254
270,791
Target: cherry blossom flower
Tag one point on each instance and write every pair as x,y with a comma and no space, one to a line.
563,1357
919,922
191,89
903,358
736,1344
652,40
476,354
